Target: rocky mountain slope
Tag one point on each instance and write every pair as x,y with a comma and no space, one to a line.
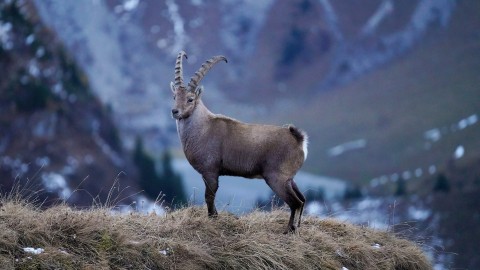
56,137
287,50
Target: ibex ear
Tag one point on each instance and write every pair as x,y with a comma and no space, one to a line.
199,90
172,86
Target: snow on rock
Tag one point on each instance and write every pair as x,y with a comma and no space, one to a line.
459,152
432,135
130,5
5,28
348,146
141,205
418,213
180,38
386,8
35,251
55,182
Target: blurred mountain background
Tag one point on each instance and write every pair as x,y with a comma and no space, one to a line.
387,90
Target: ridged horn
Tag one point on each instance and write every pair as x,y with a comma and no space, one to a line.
195,80
178,68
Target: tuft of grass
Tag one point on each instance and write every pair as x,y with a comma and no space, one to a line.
99,238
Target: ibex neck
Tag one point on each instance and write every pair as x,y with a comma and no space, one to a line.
191,128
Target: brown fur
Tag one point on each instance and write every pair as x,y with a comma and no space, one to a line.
217,145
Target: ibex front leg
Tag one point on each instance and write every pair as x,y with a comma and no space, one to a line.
211,187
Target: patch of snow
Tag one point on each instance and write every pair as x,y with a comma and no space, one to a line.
466,122
178,27
383,179
35,251
55,182
406,175
30,39
4,33
385,9
42,161
344,268
332,19
418,214
418,172
166,251
314,208
16,166
130,5
348,146
141,205
472,119
433,134
40,53
33,69
195,23
432,169
376,245
149,207
369,211
459,152
162,43
368,203
197,2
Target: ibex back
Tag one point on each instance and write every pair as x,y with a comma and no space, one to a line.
217,145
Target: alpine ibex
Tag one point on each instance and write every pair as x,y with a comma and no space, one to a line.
217,145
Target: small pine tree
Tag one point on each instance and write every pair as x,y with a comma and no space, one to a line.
171,181
315,194
146,167
401,187
168,182
442,184
353,192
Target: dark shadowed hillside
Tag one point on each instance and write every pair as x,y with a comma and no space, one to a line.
55,135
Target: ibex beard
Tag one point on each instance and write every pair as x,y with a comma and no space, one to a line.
217,145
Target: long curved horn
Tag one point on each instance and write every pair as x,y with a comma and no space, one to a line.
195,80
178,68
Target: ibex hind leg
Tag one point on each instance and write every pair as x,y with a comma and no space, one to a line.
284,190
301,197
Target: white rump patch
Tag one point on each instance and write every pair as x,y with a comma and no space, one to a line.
305,145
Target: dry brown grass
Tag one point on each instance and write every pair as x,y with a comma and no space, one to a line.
187,239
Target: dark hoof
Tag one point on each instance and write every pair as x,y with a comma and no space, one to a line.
290,229
213,215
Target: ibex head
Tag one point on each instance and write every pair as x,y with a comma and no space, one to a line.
186,98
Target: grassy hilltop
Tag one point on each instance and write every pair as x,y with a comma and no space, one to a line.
186,239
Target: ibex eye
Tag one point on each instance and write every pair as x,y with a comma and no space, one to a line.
190,100
174,97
